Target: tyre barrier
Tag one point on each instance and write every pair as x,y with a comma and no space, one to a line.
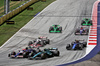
30,8
10,22
17,10
43,0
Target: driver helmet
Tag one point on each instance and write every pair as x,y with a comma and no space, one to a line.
77,41
39,38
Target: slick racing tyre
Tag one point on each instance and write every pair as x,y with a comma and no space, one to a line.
43,56
80,46
47,41
75,33
85,44
83,22
68,47
8,55
42,43
90,22
30,42
30,58
51,29
60,29
56,53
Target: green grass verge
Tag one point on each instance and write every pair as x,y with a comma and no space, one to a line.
6,31
1,3
22,2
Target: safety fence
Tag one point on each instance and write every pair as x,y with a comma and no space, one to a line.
17,10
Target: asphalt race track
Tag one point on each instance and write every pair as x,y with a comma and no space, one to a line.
95,61
68,14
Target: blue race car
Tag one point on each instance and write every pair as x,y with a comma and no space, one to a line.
81,31
50,52
77,45
21,54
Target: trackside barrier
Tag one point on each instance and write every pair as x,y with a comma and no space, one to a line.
43,0
16,11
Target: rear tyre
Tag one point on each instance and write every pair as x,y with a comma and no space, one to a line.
47,41
75,33
85,44
42,43
30,42
60,29
31,54
29,58
50,29
25,55
81,47
82,22
90,22
68,47
56,53
8,55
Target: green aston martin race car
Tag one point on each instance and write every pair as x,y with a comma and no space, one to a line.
55,29
86,22
43,54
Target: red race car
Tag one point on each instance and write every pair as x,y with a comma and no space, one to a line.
39,42
82,31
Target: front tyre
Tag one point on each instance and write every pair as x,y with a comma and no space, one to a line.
43,56
68,47
8,55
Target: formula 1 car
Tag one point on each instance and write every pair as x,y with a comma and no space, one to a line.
77,45
86,22
81,31
46,53
55,29
21,54
40,42
18,55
